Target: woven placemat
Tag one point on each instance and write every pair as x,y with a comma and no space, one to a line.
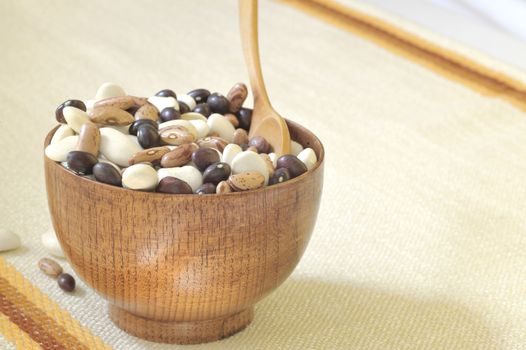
420,238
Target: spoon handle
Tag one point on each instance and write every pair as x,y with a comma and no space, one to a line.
248,25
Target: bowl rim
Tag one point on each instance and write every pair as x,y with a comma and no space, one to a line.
291,182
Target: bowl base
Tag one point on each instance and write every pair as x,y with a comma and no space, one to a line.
193,332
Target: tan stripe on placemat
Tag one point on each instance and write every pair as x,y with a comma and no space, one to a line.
15,335
446,62
31,312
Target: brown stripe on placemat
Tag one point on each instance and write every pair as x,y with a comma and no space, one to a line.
41,328
439,59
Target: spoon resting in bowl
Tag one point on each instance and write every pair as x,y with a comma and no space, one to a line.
266,122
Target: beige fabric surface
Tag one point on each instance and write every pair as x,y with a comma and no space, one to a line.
420,241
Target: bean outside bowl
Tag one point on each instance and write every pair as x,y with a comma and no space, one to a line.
184,268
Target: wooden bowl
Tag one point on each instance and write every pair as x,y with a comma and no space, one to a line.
184,268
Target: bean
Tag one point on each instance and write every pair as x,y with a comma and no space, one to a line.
179,156
213,142
173,185
292,163
107,173
69,103
151,155
223,187
260,143
183,107
81,162
199,95
204,109
240,137
89,139
135,125
166,93
204,157
246,181
236,96
176,135
279,176
218,103
216,173
207,188
66,282
232,119
169,113
50,267
109,115
245,118
148,111
148,136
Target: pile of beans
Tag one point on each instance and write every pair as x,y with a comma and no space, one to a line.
170,143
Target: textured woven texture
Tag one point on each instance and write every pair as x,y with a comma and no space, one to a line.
420,238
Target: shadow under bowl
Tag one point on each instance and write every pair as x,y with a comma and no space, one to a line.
184,268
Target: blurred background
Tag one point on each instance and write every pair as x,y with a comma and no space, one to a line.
494,27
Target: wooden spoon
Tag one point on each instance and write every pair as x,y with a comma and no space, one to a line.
266,122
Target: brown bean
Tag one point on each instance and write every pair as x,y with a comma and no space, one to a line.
147,111
204,109
151,155
176,135
166,93
89,139
216,173
295,166
245,118
169,113
66,282
81,162
121,102
181,155
268,161
199,95
203,157
232,119
109,115
237,96
148,136
173,185
260,143
107,173
223,187
279,176
240,137
49,267
69,103
218,103
207,188
213,142
246,181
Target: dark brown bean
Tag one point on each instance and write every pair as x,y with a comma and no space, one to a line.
236,96
204,109
240,136
173,185
295,166
50,267
245,118
69,103
260,143
279,176
81,162
213,142
148,136
218,103
183,107
66,282
166,93
169,113
199,95
203,157
136,124
216,173
107,173
207,188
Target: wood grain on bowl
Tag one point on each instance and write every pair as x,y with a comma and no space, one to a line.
184,268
